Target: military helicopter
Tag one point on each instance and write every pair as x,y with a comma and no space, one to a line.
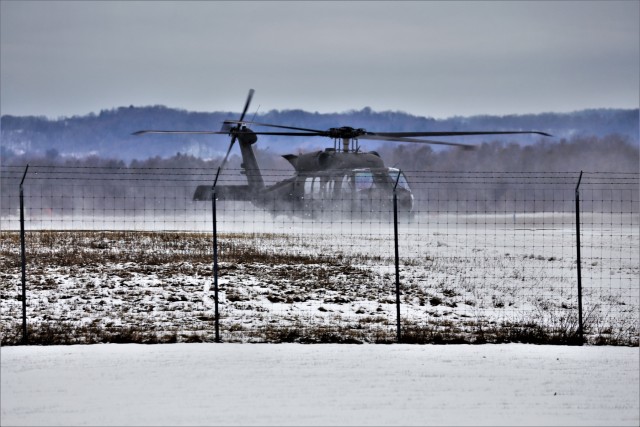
341,179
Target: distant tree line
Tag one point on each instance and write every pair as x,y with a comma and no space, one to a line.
108,134
610,153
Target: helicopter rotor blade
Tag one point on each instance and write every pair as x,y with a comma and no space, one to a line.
179,132
391,134
288,133
224,161
275,126
246,105
414,140
410,134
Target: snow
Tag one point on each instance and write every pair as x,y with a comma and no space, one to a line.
294,384
459,277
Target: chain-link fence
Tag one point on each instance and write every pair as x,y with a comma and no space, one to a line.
127,255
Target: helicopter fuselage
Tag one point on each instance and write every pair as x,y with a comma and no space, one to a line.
328,182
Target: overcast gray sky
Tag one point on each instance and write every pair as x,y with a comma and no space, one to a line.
436,59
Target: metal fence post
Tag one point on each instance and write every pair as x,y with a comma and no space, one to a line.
23,261
397,257
215,263
578,262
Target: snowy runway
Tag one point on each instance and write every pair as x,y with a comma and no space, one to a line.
293,384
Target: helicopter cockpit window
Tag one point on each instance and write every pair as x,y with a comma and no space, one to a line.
364,181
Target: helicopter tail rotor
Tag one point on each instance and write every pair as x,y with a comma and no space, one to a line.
234,135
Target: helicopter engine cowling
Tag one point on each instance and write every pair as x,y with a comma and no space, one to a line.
308,162
330,159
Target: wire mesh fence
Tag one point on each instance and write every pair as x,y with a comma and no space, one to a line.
126,255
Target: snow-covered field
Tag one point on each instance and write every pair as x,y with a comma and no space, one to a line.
468,277
295,384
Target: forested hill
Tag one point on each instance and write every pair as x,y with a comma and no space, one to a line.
108,134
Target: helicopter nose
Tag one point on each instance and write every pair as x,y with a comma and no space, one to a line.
246,136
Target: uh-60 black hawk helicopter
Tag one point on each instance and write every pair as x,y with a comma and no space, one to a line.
338,179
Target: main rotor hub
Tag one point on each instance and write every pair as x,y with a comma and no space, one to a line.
345,132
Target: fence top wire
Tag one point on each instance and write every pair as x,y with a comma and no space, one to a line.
185,174
54,169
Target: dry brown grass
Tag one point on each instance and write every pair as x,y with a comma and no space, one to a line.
285,274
